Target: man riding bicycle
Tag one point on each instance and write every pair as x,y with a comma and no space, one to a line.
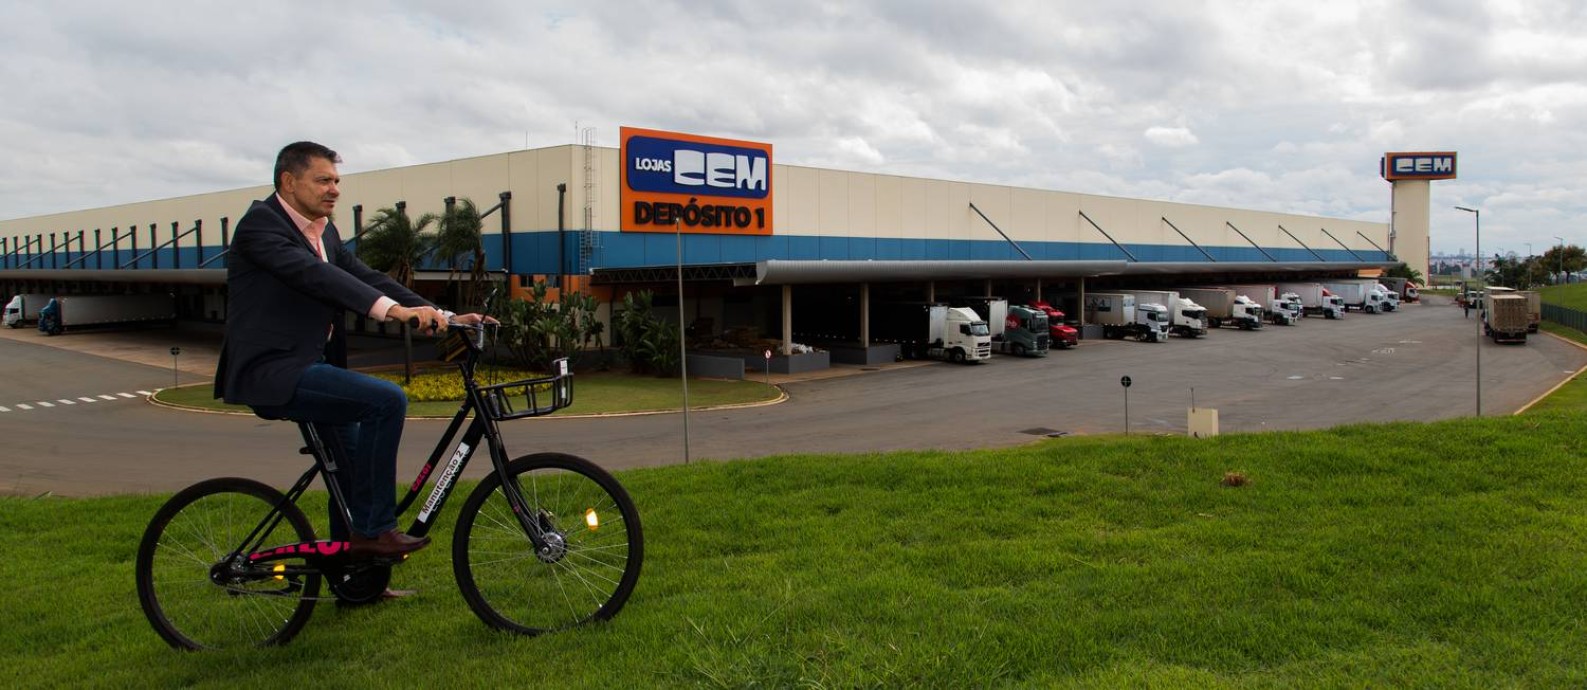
290,280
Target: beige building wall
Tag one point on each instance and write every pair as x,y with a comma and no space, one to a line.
808,201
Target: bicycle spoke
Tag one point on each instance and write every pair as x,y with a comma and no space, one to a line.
587,568
193,535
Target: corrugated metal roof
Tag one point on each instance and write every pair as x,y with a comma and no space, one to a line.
777,272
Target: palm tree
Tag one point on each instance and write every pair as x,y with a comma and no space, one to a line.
462,232
1406,272
395,244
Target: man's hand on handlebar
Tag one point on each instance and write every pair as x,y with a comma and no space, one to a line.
423,319
430,320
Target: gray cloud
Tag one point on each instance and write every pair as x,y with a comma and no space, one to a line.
1280,106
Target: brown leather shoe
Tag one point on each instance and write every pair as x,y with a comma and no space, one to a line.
389,543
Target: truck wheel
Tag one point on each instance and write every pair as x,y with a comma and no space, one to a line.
957,356
1017,349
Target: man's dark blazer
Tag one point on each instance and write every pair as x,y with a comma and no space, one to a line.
282,301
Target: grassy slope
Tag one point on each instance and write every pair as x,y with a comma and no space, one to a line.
1447,554
1573,296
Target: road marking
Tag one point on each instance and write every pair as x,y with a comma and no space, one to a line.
45,404
145,392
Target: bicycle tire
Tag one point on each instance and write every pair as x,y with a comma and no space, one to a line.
511,587
193,532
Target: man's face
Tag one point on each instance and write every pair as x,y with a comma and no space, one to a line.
312,193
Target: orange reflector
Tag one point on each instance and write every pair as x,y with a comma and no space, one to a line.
592,520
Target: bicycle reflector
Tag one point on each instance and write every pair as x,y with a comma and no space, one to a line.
280,568
592,520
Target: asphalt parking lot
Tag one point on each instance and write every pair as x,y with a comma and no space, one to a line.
1417,364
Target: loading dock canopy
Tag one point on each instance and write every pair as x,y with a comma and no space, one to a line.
797,272
167,276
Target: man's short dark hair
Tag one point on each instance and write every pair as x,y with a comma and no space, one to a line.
295,157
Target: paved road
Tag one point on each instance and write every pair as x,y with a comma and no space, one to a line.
1418,364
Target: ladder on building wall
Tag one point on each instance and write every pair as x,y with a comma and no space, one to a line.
588,241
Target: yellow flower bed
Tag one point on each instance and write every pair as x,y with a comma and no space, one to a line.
439,385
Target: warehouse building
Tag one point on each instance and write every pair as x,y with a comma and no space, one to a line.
763,245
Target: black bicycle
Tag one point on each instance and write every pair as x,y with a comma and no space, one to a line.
546,542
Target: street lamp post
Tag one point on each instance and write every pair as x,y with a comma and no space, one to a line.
1563,278
1478,220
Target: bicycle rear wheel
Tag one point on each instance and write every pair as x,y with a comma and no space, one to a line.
592,559
197,600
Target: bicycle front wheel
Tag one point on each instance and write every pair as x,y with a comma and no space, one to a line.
197,598
593,546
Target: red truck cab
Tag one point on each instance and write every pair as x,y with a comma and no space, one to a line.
1063,335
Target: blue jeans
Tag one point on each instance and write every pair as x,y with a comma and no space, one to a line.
367,414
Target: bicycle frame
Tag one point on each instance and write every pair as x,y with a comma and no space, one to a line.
485,411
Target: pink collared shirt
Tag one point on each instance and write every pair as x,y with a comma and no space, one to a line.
313,231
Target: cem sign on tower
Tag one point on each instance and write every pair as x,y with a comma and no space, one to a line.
1409,174
684,182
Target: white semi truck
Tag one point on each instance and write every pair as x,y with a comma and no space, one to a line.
1357,295
1314,299
1120,316
24,309
1186,319
1276,310
1225,308
933,330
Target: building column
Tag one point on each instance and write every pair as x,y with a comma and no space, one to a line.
787,320
865,314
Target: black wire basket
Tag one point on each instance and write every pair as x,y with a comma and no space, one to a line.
533,397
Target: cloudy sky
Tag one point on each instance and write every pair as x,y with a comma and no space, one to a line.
1282,105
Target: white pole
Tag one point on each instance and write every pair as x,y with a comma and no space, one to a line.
683,344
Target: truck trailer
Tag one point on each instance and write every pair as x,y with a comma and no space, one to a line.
938,331
79,311
1504,317
1120,316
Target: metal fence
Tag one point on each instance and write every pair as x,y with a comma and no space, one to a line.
1570,318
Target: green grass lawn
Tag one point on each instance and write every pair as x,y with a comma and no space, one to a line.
597,393
1573,296
1448,554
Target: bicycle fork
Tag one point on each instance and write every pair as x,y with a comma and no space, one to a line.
548,543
